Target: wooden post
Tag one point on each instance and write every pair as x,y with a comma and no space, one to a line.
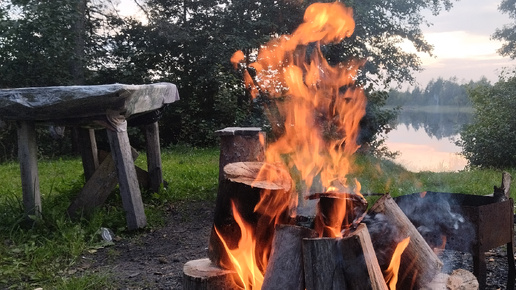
127,179
153,156
89,153
342,263
27,154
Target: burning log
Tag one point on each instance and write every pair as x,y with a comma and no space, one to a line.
261,193
285,267
338,211
202,274
419,264
342,263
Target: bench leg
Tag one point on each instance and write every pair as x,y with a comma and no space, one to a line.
127,179
27,154
89,154
153,156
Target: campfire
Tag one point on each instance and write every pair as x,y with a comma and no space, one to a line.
260,239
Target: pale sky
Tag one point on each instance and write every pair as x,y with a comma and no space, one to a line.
462,44
461,39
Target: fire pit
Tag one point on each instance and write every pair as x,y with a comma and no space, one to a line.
466,223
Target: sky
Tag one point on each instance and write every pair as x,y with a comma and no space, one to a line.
461,40
462,44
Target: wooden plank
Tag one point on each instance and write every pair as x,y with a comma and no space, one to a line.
97,188
153,156
89,153
27,154
127,179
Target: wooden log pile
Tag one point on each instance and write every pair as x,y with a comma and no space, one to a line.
300,257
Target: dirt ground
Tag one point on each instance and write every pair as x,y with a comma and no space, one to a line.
155,259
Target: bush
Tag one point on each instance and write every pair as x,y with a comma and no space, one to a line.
490,140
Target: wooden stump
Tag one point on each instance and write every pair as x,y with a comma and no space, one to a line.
259,201
202,274
240,144
419,264
342,263
285,268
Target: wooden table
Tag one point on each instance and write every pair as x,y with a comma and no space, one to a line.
89,108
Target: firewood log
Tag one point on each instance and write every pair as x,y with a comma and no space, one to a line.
204,275
342,263
459,279
419,264
285,268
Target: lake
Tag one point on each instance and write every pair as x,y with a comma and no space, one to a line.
425,139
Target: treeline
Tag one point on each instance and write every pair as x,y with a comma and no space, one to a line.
189,43
438,92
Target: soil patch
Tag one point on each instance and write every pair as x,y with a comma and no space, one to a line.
154,259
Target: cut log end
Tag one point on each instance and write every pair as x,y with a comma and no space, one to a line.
202,274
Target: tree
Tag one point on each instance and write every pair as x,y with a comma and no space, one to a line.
508,32
45,43
190,43
490,140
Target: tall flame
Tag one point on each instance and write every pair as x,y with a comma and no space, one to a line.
315,112
317,102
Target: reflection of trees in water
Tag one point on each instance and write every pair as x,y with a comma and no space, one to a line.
438,125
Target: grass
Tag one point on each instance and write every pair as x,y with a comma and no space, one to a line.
44,253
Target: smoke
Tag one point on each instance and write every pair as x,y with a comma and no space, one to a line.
384,236
439,218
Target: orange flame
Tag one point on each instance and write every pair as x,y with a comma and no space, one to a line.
391,274
243,258
318,103
316,113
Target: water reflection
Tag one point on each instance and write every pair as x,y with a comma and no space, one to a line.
426,140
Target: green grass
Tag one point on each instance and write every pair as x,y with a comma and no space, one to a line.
40,254
44,252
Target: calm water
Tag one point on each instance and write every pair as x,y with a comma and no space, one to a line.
426,141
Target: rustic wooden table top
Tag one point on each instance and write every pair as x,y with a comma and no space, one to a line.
82,105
